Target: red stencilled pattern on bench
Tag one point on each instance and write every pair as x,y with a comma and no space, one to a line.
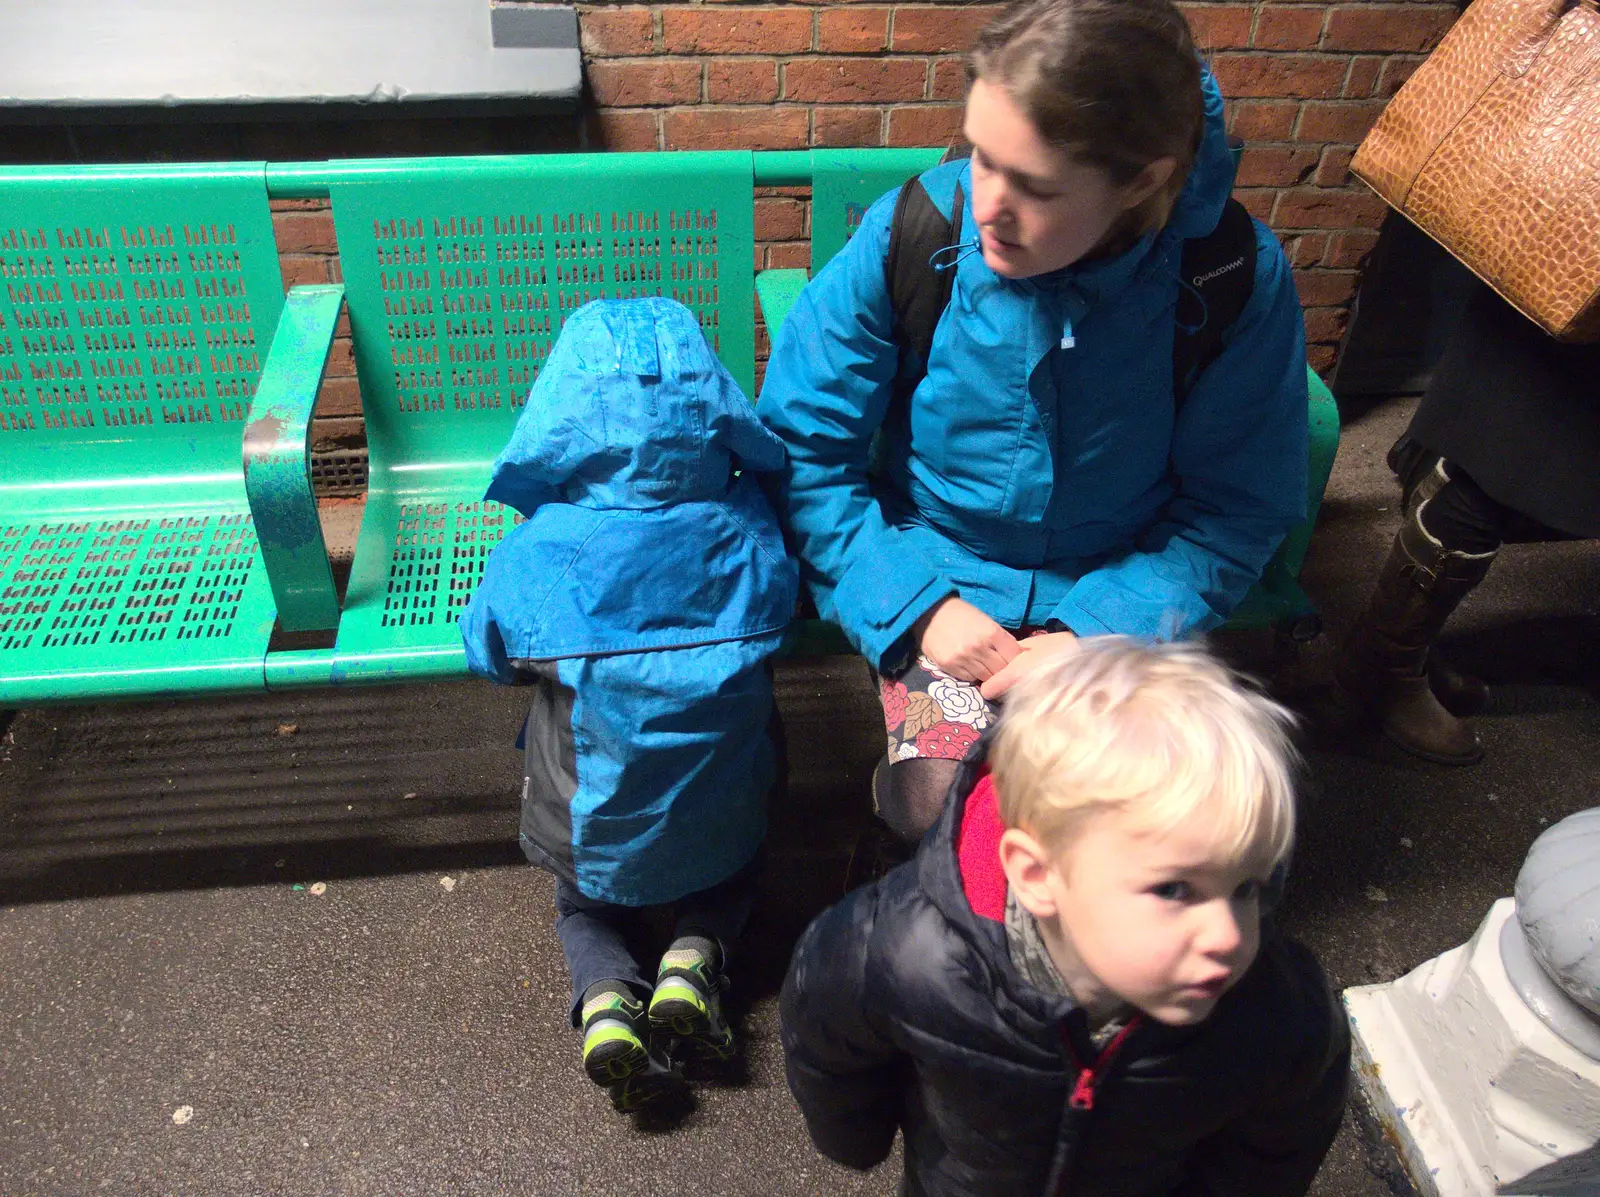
440,550
96,583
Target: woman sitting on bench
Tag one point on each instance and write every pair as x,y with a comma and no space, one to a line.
1092,441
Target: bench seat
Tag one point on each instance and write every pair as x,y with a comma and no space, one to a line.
138,306
157,523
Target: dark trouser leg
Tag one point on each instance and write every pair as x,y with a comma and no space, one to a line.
594,939
718,914
912,796
1465,519
1447,541
1454,511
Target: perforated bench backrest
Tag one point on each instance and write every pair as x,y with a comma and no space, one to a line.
844,184
459,273
139,305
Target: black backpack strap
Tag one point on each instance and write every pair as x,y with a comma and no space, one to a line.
1218,275
918,293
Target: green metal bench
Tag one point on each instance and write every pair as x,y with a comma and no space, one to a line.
844,184
139,306
458,274
156,388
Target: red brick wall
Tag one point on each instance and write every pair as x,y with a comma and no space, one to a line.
308,254
1305,81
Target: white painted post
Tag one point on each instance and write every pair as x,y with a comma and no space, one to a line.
1481,1063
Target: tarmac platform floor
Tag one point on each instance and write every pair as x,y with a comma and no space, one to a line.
286,944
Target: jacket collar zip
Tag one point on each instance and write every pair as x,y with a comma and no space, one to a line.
1057,315
1083,1089
1081,1101
1087,283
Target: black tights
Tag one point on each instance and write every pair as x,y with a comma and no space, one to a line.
1462,518
910,794
1460,515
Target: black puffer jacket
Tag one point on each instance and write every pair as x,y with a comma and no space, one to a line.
902,1011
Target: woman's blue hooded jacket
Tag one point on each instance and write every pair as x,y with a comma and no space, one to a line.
649,584
1043,470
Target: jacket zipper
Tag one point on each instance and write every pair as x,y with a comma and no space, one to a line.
1081,1098
1083,1090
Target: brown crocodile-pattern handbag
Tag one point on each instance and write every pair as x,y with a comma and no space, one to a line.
1493,149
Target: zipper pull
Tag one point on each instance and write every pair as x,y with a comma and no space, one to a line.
1083,1091
1082,1097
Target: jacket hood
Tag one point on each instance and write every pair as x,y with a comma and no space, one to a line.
1210,181
940,878
631,410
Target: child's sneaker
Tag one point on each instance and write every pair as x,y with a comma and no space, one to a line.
613,1043
687,1006
615,1055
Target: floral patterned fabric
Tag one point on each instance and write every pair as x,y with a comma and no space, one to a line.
926,712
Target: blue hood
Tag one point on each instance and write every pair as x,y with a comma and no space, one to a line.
639,536
631,410
1210,183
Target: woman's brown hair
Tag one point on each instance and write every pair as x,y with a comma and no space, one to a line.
1116,83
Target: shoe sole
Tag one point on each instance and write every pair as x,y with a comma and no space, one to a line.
644,1089
612,1063
1433,757
1373,718
681,1019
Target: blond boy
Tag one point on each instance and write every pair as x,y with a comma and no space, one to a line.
1070,989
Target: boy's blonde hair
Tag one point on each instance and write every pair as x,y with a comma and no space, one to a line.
1155,732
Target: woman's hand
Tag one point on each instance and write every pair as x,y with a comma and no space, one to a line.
1032,653
964,642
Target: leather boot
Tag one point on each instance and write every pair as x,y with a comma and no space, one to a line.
1458,692
1384,662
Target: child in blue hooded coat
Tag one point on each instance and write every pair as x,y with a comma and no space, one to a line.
641,600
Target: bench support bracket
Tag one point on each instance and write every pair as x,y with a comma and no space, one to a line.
277,451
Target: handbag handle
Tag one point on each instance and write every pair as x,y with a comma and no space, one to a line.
1520,58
